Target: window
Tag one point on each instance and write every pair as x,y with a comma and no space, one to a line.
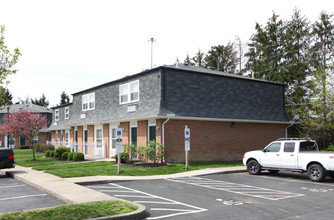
129,92
57,115
289,147
274,147
308,146
88,102
67,113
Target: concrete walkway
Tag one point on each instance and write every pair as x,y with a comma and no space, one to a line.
68,191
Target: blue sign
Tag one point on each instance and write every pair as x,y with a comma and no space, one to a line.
187,139
119,132
119,140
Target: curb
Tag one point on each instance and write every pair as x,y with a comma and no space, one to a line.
138,214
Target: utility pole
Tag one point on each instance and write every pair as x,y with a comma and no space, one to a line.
152,40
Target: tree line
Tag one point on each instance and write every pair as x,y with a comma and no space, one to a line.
294,52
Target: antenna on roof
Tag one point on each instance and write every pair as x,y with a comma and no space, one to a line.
177,62
152,40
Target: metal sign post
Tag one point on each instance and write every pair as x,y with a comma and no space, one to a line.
186,144
119,147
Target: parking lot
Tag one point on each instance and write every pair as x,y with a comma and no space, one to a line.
229,196
17,196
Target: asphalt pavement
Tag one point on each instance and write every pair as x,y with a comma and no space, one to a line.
67,189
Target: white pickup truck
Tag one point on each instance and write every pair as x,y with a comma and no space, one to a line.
291,154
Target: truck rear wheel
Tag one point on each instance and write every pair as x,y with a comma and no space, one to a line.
316,173
253,167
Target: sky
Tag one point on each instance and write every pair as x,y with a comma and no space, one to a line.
72,45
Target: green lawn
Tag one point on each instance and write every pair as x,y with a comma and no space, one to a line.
66,169
75,211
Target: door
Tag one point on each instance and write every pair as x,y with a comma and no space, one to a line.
134,142
271,156
288,156
76,140
152,133
67,138
112,135
85,134
98,146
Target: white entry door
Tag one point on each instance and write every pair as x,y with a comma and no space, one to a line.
112,135
98,146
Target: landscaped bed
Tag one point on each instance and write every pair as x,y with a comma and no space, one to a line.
75,211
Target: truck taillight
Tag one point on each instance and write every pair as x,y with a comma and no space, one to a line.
11,157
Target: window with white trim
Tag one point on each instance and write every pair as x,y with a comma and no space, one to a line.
67,112
57,115
129,92
88,101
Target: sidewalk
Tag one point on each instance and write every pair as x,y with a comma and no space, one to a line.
68,191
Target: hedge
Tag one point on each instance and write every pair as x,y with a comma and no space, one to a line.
24,147
78,157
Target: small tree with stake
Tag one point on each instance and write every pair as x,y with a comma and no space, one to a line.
24,123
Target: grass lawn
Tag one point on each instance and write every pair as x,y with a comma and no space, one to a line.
66,169
75,211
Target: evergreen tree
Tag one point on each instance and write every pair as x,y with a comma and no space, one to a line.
199,59
41,101
223,58
64,98
7,98
266,51
318,117
296,48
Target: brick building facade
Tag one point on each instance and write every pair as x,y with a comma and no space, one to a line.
43,134
227,114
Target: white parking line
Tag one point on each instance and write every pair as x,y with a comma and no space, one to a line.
154,200
12,186
253,191
21,197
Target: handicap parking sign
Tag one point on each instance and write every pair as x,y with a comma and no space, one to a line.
119,133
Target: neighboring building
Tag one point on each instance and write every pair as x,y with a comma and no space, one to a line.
227,114
43,134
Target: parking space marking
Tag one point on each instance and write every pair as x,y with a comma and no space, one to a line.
181,208
242,189
21,197
12,186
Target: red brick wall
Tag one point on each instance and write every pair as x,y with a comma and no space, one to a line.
106,139
90,138
43,137
126,135
217,141
142,133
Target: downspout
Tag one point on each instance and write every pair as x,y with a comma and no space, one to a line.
163,131
286,129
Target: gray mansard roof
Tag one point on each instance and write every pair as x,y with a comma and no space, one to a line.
189,92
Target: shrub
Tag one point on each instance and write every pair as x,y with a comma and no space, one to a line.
60,150
70,156
41,148
64,155
24,147
52,154
124,157
78,156
47,153
130,149
330,148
